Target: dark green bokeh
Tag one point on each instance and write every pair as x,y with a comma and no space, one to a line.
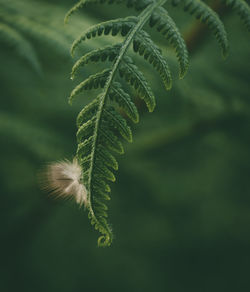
180,208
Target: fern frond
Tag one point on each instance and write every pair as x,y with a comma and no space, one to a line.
165,24
118,122
130,72
100,124
111,141
242,8
206,15
93,81
13,39
113,27
143,45
87,112
124,100
108,53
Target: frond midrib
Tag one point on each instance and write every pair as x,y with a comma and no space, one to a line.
143,18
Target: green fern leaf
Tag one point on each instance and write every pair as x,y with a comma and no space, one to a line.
93,81
101,123
87,112
107,157
118,122
242,8
130,72
123,99
110,139
206,15
100,55
114,27
165,24
145,47
85,130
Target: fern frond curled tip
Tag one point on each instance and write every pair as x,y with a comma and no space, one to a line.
104,240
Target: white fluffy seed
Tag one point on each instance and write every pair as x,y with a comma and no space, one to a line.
63,179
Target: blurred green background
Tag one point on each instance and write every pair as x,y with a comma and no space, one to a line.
180,208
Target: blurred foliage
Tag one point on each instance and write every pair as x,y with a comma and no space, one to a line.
180,206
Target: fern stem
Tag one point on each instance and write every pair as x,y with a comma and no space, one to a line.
143,18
